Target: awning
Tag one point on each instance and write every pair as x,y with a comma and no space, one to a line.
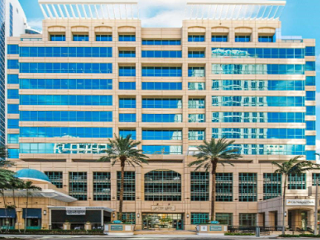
32,213
9,213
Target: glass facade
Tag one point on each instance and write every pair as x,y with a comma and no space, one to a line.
224,187
258,52
161,72
199,186
161,135
161,42
101,186
224,218
162,118
92,52
162,149
161,54
78,185
56,178
129,192
90,100
34,67
271,185
91,84
161,86
297,182
248,187
247,219
161,103
199,218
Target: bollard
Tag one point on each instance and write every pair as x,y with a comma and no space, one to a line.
257,232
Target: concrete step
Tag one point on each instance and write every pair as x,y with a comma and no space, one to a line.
164,232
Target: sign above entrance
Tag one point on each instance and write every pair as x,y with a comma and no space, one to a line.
163,208
75,210
304,202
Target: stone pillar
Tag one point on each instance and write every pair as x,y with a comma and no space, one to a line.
66,226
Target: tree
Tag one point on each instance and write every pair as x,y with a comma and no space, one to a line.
208,156
293,166
125,151
15,184
4,163
29,187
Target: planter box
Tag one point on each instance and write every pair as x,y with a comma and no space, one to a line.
119,229
211,229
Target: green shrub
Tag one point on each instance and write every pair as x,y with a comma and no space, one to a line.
240,234
289,235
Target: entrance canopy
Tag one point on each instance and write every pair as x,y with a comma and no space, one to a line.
7,213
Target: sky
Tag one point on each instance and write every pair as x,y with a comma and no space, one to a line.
299,18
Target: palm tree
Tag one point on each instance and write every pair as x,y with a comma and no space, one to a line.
3,158
123,150
15,184
29,187
293,166
208,156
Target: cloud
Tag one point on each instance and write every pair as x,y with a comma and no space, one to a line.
35,23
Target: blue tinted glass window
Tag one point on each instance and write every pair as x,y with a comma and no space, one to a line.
310,95
310,81
219,38
161,149
161,42
196,38
57,38
161,103
127,71
104,38
196,54
310,51
13,123
12,49
161,135
127,38
13,138
311,140
310,110
127,117
125,132
161,117
161,72
13,94
266,39
310,66
161,86
311,155
127,103
13,108
127,86
246,38
13,153
310,125
127,54
81,38
13,64
196,72
13,79
161,54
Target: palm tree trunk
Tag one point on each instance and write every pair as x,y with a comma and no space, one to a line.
5,210
121,189
213,188
26,214
284,203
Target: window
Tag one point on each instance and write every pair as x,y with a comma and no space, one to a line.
246,38
101,186
310,81
161,135
310,125
13,79
266,39
196,118
196,103
13,138
127,86
125,132
65,67
311,155
161,42
161,54
297,181
127,117
127,38
66,116
13,93
161,85
199,218
12,49
104,38
196,86
13,153
127,103
196,38
128,217
310,95
196,54
58,38
161,72
56,178
311,140
310,66
93,84
196,72
13,123
265,149
129,190
13,64
247,219
199,186
219,38
247,187
161,103
224,218
315,176
310,51
196,135
127,71
271,185
162,185
162,118
310,110
80,38
78,185
127,54
224,187
13,108
80,100
162,149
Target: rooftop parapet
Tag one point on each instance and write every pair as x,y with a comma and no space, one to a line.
89,9
234,9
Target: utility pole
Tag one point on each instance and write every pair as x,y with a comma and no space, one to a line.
316,209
